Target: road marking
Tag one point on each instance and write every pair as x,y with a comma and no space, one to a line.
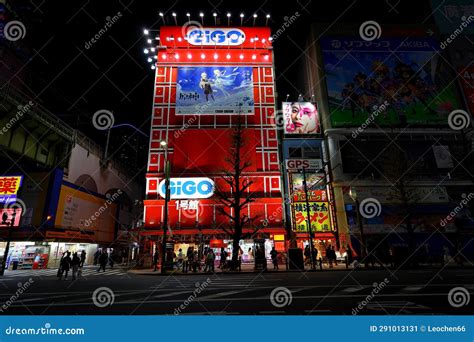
354,289
223,294
411,289
170,294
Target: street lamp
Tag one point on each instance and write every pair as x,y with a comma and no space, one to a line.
164,145
355,198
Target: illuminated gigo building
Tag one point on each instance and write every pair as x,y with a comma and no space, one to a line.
205,80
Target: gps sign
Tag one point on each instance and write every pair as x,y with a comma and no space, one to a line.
188,188
306,164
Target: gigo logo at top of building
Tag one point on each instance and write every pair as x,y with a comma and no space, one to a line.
187,188
215,36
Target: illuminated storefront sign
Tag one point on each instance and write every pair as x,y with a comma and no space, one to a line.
216,36
304,164
9,186
187,188
319,216
10,217
316,188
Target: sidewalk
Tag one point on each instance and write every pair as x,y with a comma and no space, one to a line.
246,268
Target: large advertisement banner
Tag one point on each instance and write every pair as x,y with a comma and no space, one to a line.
387,81
214,90
316,187
467,83
301,118
80,211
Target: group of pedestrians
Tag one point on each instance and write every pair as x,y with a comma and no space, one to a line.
67,263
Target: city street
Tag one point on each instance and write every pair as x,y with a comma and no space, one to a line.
423,291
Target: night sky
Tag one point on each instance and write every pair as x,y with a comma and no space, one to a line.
74,82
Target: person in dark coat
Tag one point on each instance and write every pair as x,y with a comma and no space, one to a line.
103,259
75,262
83,258
274,256
65,265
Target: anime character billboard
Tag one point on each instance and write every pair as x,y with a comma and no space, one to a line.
214,90
300,118
387,82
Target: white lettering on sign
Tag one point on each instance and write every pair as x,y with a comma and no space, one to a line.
187,188
216,36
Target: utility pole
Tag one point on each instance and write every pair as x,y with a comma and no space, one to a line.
310,230
167,199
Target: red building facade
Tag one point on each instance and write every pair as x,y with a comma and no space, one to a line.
206,78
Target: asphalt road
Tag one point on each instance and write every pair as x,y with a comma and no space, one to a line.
361,292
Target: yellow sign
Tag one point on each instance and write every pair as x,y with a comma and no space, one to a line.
319,216
9,186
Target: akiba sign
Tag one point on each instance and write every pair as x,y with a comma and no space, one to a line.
215,36
187,188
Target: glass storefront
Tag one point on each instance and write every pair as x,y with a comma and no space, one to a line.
41,255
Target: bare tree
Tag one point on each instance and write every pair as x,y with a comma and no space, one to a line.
398,171
235,197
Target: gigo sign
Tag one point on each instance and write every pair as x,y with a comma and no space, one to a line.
215,36
307,164
186,188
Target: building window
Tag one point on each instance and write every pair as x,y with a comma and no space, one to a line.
295,152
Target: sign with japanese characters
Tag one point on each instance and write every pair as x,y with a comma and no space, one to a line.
9,186
319,217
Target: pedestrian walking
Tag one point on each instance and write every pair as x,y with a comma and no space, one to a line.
112,259
307,255
103,258
274,256
96,256
314,256
75,262
83,258
65,265
210,261
155,260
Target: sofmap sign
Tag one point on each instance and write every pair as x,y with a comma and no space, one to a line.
307,164
215,36
188,188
